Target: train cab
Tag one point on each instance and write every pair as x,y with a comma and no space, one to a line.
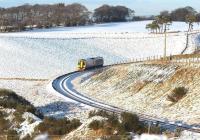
90,63
81,64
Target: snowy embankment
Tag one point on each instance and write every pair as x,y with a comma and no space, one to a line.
143,88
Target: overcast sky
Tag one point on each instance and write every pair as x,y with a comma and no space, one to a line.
141,7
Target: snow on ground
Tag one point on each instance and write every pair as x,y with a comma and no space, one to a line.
10,112
45,53
150,137
138,26
27,127
45,99
143,88
43,58
42,137
187,135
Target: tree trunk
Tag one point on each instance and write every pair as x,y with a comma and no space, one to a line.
165,47
187,39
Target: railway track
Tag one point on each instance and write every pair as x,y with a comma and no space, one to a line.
64,86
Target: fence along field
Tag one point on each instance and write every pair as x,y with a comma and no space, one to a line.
187,59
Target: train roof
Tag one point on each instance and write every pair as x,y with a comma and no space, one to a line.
92,58
96,57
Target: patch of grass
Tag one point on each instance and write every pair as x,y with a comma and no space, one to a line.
113,121
108,126
12,135
130,122
101,113
178,132
177,94
116,127
139,85
96,125
57,126
18,117
5,128
4,124
102,77
9,99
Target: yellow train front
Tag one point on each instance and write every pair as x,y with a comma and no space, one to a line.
90,63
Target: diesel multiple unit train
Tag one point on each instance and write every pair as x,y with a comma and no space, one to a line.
89,63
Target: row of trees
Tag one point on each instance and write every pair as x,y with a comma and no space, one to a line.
29,16
163,21
108,13
160,23
60,14
44,15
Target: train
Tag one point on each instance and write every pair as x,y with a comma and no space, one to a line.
90,63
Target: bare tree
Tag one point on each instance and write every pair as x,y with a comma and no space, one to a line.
189,19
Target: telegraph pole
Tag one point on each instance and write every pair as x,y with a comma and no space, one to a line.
165,47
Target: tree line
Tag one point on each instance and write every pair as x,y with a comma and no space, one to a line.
161,22
45,16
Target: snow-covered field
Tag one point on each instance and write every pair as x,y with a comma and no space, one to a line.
48,52
114,27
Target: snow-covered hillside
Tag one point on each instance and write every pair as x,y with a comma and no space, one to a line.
143,88
138,26
97,30
48,52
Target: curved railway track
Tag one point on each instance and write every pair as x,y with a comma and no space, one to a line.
64,86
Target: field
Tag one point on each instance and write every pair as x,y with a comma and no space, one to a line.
43,54
48,52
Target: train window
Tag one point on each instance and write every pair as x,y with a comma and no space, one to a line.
99,61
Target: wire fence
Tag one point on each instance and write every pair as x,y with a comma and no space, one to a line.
186,60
